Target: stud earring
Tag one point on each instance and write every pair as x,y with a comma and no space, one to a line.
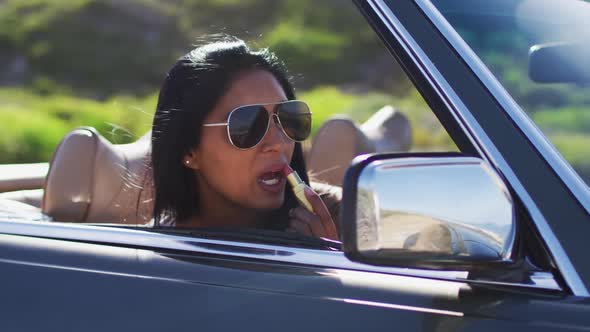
187,162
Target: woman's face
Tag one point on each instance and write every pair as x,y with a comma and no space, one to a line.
234,179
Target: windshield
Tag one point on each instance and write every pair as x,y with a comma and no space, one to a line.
538,51
118,112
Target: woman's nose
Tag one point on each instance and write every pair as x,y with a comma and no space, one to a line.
275,134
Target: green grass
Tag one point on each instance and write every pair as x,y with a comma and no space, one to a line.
563,119
326,102
569,130
28,136
575,148
33,125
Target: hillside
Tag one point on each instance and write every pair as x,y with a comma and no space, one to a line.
99,48
96,48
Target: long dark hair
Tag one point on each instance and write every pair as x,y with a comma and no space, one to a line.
189,93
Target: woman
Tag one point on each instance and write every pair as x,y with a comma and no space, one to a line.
226,125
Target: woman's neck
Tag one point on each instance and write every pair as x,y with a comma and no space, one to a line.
216,210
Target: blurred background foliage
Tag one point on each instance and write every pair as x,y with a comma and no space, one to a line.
561,111
68,63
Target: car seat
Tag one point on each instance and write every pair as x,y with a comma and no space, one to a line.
339,140
92,180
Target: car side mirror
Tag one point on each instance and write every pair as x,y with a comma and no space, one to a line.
435,211
560,63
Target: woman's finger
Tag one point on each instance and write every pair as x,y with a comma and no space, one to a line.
312,220
300,227
321,210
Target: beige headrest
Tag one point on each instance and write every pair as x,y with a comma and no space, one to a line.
336,143
339,140
92,180
389,130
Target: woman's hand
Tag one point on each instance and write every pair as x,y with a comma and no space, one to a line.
319,223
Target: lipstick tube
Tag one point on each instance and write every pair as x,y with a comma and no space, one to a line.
298,187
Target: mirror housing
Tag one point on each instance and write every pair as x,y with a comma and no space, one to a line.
434,211
560,63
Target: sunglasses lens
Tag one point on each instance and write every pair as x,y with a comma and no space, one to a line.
295,118
247,126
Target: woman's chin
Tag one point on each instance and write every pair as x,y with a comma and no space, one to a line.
268,203
266,199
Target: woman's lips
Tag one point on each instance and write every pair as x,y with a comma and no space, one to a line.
272,182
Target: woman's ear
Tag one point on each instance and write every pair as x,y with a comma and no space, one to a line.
190,161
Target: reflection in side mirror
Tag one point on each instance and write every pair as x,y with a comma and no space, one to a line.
560,63
427,212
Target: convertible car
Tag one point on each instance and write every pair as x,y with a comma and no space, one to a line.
490,238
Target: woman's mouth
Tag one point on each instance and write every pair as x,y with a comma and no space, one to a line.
272,181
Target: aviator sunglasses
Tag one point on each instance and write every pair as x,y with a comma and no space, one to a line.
248,124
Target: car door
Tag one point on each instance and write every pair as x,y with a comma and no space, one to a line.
64,282
485,122
76,277
95,278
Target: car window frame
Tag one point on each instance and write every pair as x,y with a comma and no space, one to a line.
146,239
560,165
446,80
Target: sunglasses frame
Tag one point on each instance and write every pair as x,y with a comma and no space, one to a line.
274,114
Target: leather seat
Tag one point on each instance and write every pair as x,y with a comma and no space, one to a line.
339,140
32,197
22,182
92,180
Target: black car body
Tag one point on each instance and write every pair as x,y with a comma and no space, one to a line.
67,277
